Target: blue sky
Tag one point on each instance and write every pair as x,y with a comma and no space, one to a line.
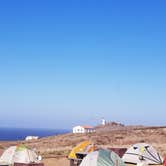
64,63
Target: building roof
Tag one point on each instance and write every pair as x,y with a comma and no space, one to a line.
87,127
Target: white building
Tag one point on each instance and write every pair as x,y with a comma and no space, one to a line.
83,129
103,121
29,138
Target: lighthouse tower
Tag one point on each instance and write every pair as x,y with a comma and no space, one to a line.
103,122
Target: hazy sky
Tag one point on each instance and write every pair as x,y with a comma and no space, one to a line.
70,62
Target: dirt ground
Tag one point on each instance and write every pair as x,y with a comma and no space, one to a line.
55,149
64,162
56,162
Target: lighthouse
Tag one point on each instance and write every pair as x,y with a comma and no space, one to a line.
103,122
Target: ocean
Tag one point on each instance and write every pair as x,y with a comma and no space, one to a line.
14,134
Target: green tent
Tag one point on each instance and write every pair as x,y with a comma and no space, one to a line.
102,158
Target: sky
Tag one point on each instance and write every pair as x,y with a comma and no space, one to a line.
66,63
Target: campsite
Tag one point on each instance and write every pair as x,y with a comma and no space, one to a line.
56,149
83,83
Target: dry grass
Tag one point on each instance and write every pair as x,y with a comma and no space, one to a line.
55,148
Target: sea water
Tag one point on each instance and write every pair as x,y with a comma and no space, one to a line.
13,134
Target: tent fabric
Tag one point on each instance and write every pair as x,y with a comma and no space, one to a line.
25,156
83,147
142,152
18,154
165,161
142,164
90,159
119,151
7,155
102,158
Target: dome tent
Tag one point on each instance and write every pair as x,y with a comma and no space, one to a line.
142,152
6,157
80,151
102,158
18,154
84,147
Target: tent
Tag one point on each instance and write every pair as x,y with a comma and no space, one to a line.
18,154
102,158
83,147
165,161
80,151
142,152
119,151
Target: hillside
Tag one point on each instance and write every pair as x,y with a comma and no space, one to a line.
104,136
59,146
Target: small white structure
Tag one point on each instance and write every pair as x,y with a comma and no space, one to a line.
83,129
29,138
103,121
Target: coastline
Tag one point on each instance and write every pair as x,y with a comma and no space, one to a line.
17,134
55,149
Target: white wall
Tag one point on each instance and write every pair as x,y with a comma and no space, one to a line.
28,138
80,129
